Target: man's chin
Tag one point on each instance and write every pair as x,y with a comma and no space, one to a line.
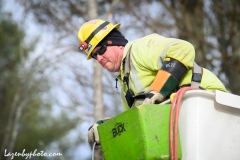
111,69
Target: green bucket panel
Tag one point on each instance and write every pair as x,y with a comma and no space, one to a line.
141,133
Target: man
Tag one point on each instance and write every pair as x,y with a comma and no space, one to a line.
150,68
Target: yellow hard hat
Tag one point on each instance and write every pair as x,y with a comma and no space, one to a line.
92,32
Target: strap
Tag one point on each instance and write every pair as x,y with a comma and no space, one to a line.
162,55
96,31
196,76
129,94
127,67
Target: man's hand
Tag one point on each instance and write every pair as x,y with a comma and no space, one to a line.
93,136
153,97
93,133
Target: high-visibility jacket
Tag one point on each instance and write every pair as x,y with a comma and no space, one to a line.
146,60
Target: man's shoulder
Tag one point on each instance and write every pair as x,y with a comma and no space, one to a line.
153,36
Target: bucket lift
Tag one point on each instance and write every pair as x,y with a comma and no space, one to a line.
207,127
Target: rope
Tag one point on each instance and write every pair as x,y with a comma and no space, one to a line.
93,150
173,127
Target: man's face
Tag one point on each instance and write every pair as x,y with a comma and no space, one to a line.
111,59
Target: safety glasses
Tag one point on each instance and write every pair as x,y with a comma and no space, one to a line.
100,51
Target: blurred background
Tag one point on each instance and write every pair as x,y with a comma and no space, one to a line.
50,94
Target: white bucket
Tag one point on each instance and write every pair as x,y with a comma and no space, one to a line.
209,126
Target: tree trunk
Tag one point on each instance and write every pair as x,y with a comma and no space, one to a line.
97,78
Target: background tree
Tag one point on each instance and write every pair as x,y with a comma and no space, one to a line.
27,120
211,26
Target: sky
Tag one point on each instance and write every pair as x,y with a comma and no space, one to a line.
32,30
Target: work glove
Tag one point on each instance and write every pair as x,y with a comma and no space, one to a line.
153,97
93,134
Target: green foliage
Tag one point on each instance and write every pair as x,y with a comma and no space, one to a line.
22,109
10,44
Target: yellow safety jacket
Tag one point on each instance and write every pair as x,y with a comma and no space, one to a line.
146,60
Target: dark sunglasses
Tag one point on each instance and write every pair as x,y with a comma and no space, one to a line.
100,51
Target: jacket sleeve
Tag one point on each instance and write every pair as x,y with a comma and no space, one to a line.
150,51
182,51
165,61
